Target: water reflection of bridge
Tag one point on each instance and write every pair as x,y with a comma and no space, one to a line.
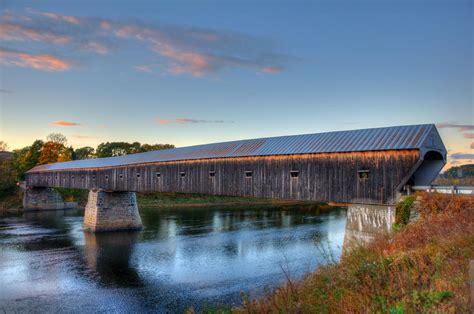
182,255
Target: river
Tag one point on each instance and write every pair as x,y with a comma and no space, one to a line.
192,257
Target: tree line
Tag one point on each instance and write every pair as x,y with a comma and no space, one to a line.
55,149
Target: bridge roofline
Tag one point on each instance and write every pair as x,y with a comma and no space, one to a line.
423,137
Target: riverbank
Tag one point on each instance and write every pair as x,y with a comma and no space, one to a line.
422,267
12,203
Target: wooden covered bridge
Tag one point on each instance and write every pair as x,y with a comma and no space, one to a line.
370,166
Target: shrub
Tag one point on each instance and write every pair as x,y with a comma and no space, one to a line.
402,212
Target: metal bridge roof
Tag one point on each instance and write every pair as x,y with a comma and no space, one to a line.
378,139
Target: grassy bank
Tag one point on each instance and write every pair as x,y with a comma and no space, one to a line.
423,267
156,199
193,200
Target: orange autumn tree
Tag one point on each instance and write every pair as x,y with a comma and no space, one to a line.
55,150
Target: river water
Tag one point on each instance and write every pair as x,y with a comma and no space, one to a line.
183,258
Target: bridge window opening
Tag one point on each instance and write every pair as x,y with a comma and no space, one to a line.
93,177
121,176
138,175
106,177
56,177
182,174
158,174
72,177
248,174
294,173
82,177
363,174
212,174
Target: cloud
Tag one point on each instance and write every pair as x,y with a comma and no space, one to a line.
5,91
468,135
272,70
101,126
460,127
64,123
188,121
460,156
15,32
59,17
182,50
39,62
78,136
472,145
147,68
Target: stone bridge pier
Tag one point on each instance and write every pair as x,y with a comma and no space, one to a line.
42,198
111,211
365,222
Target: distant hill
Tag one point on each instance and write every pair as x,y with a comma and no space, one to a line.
6,155
464,171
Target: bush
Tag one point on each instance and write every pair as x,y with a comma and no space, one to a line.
403,209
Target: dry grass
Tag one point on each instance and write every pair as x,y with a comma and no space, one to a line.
421,268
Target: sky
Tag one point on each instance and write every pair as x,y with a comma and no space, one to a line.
194,72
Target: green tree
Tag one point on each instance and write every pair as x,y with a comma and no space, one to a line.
148,147
26,158
7,171
111,149
84,153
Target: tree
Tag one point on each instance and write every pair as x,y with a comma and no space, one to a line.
54,152
3,146
26,158
57,138
111,149
84,153
148,147
7,175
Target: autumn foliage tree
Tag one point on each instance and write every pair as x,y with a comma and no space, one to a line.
55,150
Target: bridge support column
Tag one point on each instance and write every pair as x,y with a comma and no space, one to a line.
39,198
365,222
111,211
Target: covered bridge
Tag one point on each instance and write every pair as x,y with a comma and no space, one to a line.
369,166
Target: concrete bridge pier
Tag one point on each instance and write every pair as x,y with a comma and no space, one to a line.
111,211
364,222
42,198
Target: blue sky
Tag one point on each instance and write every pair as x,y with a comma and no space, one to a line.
192,72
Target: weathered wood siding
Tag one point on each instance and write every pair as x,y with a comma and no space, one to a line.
322,177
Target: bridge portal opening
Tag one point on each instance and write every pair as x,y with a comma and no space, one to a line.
432,164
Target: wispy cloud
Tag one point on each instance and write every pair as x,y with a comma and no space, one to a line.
184,50
38,62
460,127
5,91
472,145
468,135
64,123
101,126
78,136
189,121
461,156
